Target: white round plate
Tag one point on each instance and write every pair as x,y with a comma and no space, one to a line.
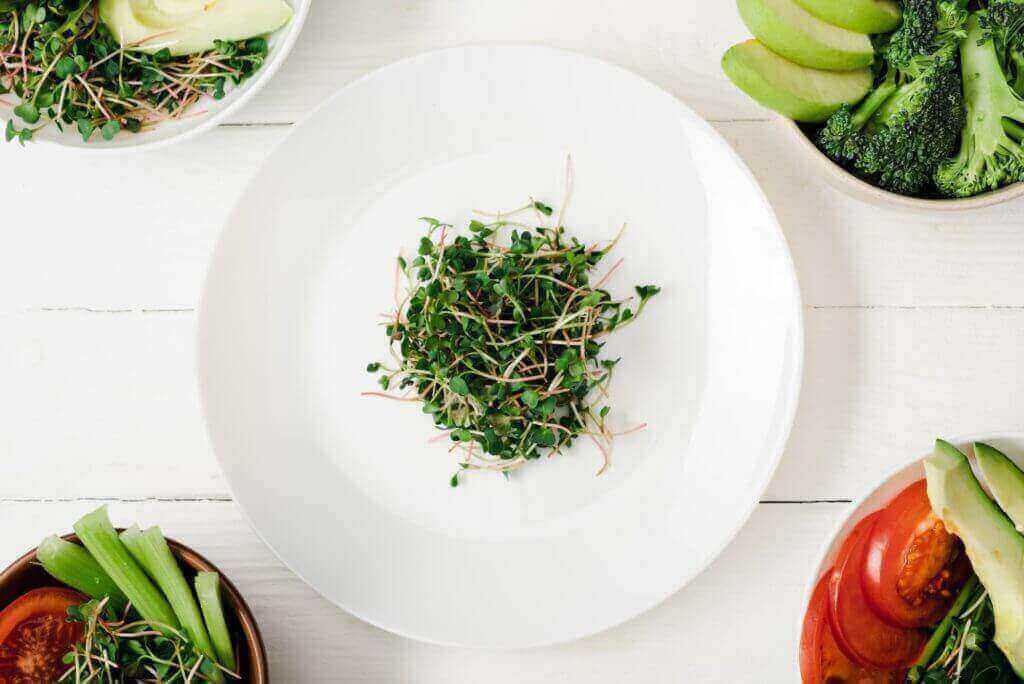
203,116
348,490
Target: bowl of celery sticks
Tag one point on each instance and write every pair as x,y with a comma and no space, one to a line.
123,605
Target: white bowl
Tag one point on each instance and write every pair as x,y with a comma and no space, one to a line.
216,111
878,497
846,182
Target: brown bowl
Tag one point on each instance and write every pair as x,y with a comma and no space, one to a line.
846,182
26,574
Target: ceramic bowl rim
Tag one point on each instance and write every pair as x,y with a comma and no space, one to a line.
852,186
233,599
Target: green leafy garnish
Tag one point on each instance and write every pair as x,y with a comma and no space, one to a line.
116,647
962,648
66,68
500,336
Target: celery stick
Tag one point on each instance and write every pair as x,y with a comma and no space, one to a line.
208,591
100,538
151,551
74,566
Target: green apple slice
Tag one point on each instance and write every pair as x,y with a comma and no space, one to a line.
800,93
862,16
796,34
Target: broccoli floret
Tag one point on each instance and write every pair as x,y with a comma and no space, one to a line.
918,127
916,33
843,137
1005,23
1005,16
905,128
990,153
926,26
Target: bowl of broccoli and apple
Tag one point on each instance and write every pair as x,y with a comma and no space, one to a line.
910,103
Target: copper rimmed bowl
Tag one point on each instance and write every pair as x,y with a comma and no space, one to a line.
26,574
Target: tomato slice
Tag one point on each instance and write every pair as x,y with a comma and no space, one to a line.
914,567
821,660
35,635
865,638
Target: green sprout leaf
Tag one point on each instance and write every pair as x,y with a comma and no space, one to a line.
28,112
110,129
459,386
543,208
85,128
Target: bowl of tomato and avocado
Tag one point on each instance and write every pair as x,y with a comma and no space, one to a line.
35,633
886,579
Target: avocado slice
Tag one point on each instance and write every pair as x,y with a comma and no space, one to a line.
1004,479
788,29
861,16
800,93
188,27
995,547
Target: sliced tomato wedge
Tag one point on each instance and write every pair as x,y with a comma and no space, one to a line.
864,637
35,635
821,660
914,567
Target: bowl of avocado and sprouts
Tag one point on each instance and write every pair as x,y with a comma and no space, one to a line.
117,74
909,103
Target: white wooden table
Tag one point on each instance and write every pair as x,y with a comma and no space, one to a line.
915,328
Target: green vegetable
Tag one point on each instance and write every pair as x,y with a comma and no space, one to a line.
1005,22
150,550
939,638
926,25
116,649
208,591
961,650
990,152
188,27
100,538
74,566
1005,480
901,132
994,546
500,339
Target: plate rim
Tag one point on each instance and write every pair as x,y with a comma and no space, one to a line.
792,390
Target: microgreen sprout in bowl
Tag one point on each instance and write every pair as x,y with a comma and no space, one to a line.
500,334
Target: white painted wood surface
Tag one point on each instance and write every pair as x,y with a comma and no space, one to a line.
915,327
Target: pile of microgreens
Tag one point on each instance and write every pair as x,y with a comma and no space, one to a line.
116,648
966,652
499,337
65,67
